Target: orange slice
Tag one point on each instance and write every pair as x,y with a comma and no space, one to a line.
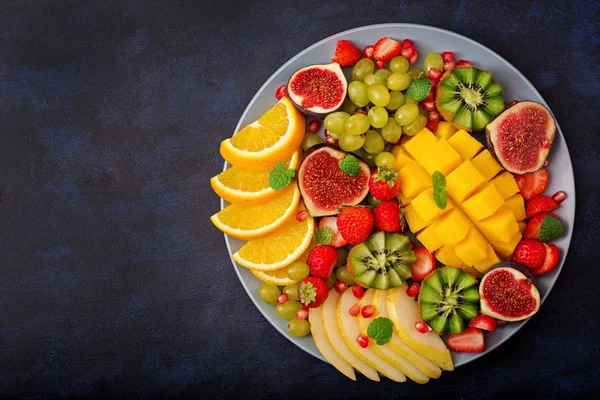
279,276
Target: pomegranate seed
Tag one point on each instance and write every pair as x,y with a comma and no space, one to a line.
354,310
559,197
330,140
313,126
431,125
435,73
302,313
380,64
301,215
449,66
408,52
422,327
499,322
512,103
546,163
340,286
368,311
463,63
368,52
431,94
411,245
282,298
414,57
413,290
358,291
428,105
362,340
407,43
434,82
448,56
360,111
280,92
434,116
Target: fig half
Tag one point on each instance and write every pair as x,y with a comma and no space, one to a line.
318,89
521,136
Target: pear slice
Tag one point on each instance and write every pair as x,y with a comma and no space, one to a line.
416,359
385,351
404,312
350,328
334,336
315,317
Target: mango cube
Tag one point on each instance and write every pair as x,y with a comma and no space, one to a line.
486,164
505,250
483,203
472,249
453,227
516,204
402,157
465,144
522,225
447,256
429,238
506,184
463,182
403,200
425,206
422,141
413,180
500,227
415,223
491,260
472,271
445,130
441,157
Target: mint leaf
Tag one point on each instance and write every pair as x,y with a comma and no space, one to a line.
349,165
551,228
419,89
323,235
280,176
381,330
439,190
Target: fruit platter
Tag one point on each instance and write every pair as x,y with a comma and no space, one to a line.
397,200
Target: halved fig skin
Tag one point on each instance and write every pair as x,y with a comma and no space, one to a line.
325,187
318,89
521,137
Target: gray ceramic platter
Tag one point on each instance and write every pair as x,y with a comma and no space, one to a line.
427,39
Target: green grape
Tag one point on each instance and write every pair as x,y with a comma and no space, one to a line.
416,126
348,106
378,116
396,100
331,281
343,275
399,64
371,199
385,159
362,68
406,114
288,309
392,131
374,143
414,73
310,140
291,291
297,271
408,100
298,327
433,60
399,81
336,122
378,94
372,79
269,293
357,92
383,73
350,142
342,256
369,159
357,124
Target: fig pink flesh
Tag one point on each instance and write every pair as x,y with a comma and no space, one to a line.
319,87
508,296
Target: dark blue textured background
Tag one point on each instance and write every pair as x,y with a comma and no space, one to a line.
114,283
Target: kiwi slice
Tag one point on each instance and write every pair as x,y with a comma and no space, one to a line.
448,300
469,98
382,261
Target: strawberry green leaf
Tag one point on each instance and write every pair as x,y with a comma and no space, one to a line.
419,89
381,330
349,165
323,235
551,228
280,176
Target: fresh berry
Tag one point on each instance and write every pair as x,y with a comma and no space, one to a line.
463,63
421,327
313,126
358,291
532,229
559,196
302,313
428,105
431,125
540,204
435,74
434,116
282,298
368,311
387,216
346,53
530,252
484,322
331,223
424,265
355,224
470,340
413,289
281,92
368,52
412,246
385,49
330,139
380,64
413,59
532,184
301,215
354,310
448,56
383,184
362,340
321,261
551,260
407,43
408,52
449,65
340,286
312,291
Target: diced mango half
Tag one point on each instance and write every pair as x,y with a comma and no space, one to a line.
463,182
491,260
413,180
445,130
447,256
483,203
522,225
415,222
425,205
465,144
419,143
429,238
506,184
402,157
403,200
472,249
505,250
500,227
472,271
440,157
486,164
516,204
453,227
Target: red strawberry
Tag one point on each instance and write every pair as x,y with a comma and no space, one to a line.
484,322
530,252
533,183
424,264
469,340
383,184
346,53
407,43
532,229
551,260
408,52
386,49
387,216
312,291
321,261
355,224
540,204
331,222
